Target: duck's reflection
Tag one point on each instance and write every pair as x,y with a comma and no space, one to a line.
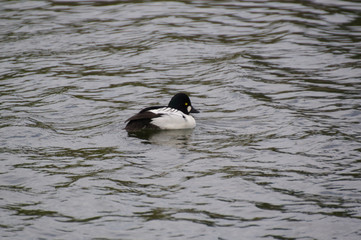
174,138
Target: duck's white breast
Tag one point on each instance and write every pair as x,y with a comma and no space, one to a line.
172,119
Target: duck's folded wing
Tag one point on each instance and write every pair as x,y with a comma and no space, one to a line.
143,115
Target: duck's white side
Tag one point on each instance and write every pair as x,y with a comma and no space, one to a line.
172,119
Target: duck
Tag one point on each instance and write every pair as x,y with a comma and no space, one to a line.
174,116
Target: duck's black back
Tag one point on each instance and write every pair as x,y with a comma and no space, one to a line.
142,120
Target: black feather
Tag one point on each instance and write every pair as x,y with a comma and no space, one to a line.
142,120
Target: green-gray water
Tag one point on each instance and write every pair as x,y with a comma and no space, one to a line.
276,153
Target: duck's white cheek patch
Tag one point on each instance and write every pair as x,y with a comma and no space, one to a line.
189,108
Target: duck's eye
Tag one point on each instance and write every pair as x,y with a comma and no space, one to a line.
186,104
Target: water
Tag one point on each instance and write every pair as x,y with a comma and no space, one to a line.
276,150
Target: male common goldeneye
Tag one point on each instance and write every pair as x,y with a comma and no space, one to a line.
174,116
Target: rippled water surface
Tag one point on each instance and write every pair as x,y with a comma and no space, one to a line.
276,153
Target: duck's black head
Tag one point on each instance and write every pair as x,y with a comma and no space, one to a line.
182,102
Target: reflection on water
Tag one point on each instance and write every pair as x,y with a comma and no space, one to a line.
276,150
174,138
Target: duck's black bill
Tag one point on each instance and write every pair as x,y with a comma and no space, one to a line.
193,110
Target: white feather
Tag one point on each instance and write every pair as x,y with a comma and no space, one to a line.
172,119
